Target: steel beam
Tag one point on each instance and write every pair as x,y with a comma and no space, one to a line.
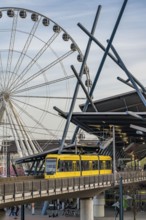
129,75
102,61
78,84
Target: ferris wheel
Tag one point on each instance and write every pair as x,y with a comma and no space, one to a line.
35,58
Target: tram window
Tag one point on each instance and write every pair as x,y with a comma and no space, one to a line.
74,166
65,165
102,164
108,164
90,165
61,166
95,165
99,164
69,166
78,165
50,166
85,165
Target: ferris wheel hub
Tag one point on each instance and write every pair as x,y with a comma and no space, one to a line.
5,95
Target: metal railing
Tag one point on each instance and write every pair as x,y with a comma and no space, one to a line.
31,189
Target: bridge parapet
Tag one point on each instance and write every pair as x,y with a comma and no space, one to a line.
25,191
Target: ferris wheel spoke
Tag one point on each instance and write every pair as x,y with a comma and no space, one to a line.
46,97
11,48
26,46
45,84
1,74
25,135
36,121
33,61
42,70
33,106
14,131
2,110
27,128
21,132
32,132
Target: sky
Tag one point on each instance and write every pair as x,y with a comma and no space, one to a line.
129,40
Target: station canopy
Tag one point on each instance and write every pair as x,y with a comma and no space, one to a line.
126,113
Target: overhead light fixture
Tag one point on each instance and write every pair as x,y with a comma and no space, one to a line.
134,114
139,128
139,132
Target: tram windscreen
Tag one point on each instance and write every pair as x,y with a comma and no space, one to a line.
50,166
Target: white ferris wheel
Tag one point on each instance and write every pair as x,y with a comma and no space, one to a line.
35,58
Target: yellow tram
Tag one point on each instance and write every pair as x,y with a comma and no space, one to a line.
70,165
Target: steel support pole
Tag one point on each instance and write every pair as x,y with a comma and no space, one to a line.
121,200
22,212
129,76
84,89
128,84
78,84
113,58
102,62
114,155
8,164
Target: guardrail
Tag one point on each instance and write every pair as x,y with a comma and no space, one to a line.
18,178
26,190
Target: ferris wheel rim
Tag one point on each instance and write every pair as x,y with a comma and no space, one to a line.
2,9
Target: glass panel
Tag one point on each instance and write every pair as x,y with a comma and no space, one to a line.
50,166
85,165
95,165
65,165
108,164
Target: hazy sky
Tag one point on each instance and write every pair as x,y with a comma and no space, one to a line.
129,40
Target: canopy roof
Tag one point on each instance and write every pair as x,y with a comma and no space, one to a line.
128,115
129,101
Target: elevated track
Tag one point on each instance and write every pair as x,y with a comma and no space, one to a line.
22,190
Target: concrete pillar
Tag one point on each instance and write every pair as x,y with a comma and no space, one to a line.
99,202
86,209
78,203
58,204
63,206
